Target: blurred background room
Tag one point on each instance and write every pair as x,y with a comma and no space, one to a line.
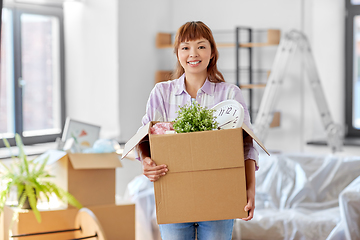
97,61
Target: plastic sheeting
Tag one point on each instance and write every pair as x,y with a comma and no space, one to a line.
297,197
141,192
349,203
305,197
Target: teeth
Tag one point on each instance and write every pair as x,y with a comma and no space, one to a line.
193,63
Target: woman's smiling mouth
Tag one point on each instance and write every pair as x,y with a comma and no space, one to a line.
194,63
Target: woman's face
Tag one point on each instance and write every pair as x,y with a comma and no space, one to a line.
194,56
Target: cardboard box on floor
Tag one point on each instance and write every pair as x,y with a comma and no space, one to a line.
117,222
90,177
206,178
27,223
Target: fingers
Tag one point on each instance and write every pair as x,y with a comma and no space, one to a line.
250,207
152,171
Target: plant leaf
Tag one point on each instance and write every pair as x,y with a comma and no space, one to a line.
6,142
65,196
42,167
22,154
6,167
20,189
22,200
32,200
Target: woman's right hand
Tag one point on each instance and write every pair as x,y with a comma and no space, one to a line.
152,171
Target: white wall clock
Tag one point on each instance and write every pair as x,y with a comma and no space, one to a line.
229,114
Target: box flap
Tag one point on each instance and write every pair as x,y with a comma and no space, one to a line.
54,155
184,152
94,160
130,145
257,140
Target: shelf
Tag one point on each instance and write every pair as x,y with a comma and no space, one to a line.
276,120
252,86
162,75
346,141
164,40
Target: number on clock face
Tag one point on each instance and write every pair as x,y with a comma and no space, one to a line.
227,117
229,114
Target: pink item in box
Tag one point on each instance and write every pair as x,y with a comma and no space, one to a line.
161,128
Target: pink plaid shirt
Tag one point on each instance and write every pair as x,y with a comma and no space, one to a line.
167,97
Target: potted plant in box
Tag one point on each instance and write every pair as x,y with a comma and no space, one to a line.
32,181
194,118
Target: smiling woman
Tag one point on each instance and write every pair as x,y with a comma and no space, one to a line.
198,83
200,33
194,57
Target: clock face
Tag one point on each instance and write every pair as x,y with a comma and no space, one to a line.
229,114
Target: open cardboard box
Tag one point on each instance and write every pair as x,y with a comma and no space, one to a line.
117,222
206,178
89,177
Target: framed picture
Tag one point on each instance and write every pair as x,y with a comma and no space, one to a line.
84,134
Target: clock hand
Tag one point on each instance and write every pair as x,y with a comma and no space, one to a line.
224,124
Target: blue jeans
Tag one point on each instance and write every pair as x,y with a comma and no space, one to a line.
209,230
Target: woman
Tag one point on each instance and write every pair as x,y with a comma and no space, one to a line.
196,79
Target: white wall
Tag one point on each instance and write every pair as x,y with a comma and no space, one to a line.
91,65
139,21
125,59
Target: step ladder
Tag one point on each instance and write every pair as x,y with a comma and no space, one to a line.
290,42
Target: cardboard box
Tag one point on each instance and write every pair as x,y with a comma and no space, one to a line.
90,177
117,222
206,178
53,220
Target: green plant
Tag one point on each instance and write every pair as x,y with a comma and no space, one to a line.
194,118
31,180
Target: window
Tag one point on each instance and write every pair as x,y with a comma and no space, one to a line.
32,74
352,61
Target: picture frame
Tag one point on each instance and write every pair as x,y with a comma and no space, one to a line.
84,134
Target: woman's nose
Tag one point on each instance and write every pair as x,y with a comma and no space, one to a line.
193,53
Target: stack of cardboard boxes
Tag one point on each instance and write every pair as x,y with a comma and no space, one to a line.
90,178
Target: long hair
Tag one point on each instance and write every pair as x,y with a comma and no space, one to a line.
191,31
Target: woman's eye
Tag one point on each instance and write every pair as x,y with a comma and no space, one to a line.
202,47
184,48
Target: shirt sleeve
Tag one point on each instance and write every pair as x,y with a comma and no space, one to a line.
250,152
154,110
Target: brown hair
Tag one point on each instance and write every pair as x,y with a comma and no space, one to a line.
191,31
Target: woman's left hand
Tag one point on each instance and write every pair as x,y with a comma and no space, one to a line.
250,206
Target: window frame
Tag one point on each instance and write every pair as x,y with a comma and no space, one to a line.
351,12
18,9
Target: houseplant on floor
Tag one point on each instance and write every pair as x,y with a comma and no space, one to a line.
32,181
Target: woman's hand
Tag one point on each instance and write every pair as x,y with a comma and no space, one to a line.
250,188
152,171
250,206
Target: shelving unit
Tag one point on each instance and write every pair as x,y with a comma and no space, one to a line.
272,39
165,40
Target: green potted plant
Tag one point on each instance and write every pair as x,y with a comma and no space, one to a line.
194,118
32,181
